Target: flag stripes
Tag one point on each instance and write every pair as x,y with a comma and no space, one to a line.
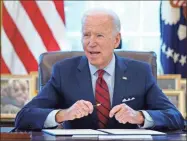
10,56
4,66
19,44
30,28
41,26
59,5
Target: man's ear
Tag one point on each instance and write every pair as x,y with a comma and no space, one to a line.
117,40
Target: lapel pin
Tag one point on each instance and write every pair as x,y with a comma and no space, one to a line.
125,78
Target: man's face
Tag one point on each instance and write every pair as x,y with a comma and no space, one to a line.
98,40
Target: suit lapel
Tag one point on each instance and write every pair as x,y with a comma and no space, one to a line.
84,80
121,81
85,83
120,85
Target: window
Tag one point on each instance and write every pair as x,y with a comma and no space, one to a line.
139,22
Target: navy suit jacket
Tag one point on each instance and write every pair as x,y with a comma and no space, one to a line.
71,81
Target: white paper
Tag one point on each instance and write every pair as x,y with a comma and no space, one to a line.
58,132
121,137
87,137
131,131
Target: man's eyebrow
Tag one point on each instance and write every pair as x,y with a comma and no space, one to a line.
84,31
100,33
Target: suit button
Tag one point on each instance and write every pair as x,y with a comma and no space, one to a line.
29,126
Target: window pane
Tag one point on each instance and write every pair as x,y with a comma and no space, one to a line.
150,16
130,18
73,14
152,44
128,12
131,43
75,41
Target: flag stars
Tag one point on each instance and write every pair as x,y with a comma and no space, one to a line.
164,47
182,60
182,32
176,57
169,52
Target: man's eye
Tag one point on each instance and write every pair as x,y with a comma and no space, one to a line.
85,35
99,35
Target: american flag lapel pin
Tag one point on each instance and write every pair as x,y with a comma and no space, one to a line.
124,78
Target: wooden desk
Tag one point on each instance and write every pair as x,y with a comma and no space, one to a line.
37,136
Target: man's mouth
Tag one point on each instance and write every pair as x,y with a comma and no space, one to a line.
94,53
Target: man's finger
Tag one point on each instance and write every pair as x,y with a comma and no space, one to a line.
89,105
127,117
78,114
84,107
124,121
119,115
114,110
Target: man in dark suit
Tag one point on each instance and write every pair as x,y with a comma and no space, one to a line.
100,89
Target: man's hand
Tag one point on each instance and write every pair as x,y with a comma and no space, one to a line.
78,110
124,114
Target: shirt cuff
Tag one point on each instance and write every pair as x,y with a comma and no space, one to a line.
148,121
50,120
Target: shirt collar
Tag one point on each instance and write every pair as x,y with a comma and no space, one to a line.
109,69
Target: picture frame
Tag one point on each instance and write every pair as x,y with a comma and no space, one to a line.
183,85
169,81
35,81
184,89
16,91
177,97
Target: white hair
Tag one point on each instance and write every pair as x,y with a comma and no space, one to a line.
112,14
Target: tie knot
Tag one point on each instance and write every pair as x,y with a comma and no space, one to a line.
100,73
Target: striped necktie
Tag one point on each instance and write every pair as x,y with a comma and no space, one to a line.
102,97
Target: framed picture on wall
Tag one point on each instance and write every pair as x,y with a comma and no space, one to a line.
35,82
183,85
170,81
183,88
177,97
16,91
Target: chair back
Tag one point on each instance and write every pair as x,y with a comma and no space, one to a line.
47,60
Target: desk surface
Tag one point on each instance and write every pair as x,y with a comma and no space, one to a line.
174,135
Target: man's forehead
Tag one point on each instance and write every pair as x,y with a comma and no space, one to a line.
97,20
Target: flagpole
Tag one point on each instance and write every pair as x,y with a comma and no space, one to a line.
1,11
0,19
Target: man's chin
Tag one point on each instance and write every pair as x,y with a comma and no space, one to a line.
94,63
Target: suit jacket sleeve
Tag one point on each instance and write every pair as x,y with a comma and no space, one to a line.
34,114
163,112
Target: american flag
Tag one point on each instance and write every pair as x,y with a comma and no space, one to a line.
30,28
173,27
178,3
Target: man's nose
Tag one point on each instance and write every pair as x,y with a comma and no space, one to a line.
92,41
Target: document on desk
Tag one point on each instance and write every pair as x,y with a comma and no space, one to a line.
125,137
70,132
131,131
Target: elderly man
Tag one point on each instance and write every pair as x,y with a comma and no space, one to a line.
88,91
